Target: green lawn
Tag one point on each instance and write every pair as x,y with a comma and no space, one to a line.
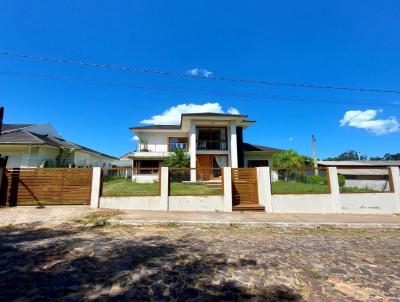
124,187
287,187
357,190
294,187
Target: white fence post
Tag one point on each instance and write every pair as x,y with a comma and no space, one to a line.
335,190
164,189
396,185
264,188
227,189
96,185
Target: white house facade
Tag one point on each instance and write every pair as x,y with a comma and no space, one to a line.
212,140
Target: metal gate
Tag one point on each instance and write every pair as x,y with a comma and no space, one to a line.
32,186
244,188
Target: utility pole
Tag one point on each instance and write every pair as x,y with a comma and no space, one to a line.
314,153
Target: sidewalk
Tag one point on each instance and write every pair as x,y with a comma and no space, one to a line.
54,215
258,219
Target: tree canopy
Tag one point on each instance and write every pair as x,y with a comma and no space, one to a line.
290,159
348,155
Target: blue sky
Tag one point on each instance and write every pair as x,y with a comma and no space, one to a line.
343,43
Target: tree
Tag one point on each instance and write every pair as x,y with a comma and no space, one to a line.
179,158
289,159
348,155
387,156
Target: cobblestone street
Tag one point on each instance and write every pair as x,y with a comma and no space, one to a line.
116,263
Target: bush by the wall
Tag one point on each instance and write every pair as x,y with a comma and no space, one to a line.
311,179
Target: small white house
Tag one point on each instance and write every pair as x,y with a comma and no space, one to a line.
40,145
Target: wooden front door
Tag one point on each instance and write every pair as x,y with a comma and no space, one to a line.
204,167
207,167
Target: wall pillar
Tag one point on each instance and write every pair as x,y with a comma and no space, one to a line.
395,173
96,186
192,150
264,188
164,188
227,189
335,190
233,145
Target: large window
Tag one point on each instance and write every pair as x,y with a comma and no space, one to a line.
177,143
211,138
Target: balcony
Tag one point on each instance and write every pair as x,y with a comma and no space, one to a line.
212,145
161,147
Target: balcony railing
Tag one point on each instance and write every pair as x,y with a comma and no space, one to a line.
161,147
212,145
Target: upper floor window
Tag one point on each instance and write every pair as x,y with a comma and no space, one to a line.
211,138
177,143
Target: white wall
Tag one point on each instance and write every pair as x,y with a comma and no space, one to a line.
131,202
301,203
196,203
367,203
248,156
158,141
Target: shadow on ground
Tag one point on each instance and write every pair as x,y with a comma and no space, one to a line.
76,264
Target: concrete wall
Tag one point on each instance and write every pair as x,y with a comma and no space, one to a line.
367,203
333,202
131,202
301,203
145,178
196,203
376,184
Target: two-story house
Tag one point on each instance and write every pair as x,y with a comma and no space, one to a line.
213,140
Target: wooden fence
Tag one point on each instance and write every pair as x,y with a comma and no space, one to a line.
28,186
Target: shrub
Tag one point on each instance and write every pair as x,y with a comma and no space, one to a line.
311,179
341,180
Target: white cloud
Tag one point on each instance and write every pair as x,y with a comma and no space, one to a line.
135,138
367,120
200,72
290,138
172,116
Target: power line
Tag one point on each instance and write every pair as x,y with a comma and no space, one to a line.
186,75
268,97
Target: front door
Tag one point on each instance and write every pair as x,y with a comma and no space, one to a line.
208,166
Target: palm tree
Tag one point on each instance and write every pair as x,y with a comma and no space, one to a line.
179,158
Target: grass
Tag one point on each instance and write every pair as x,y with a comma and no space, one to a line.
285,187
99,218
357,190
295,187
124,187
192,189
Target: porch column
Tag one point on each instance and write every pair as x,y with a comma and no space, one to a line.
233,145
192,150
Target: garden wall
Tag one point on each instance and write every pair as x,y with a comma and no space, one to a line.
331,202
196,203
301,203
368,203
131,202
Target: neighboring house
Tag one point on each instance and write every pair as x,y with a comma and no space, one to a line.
213,140
40,145
363,173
